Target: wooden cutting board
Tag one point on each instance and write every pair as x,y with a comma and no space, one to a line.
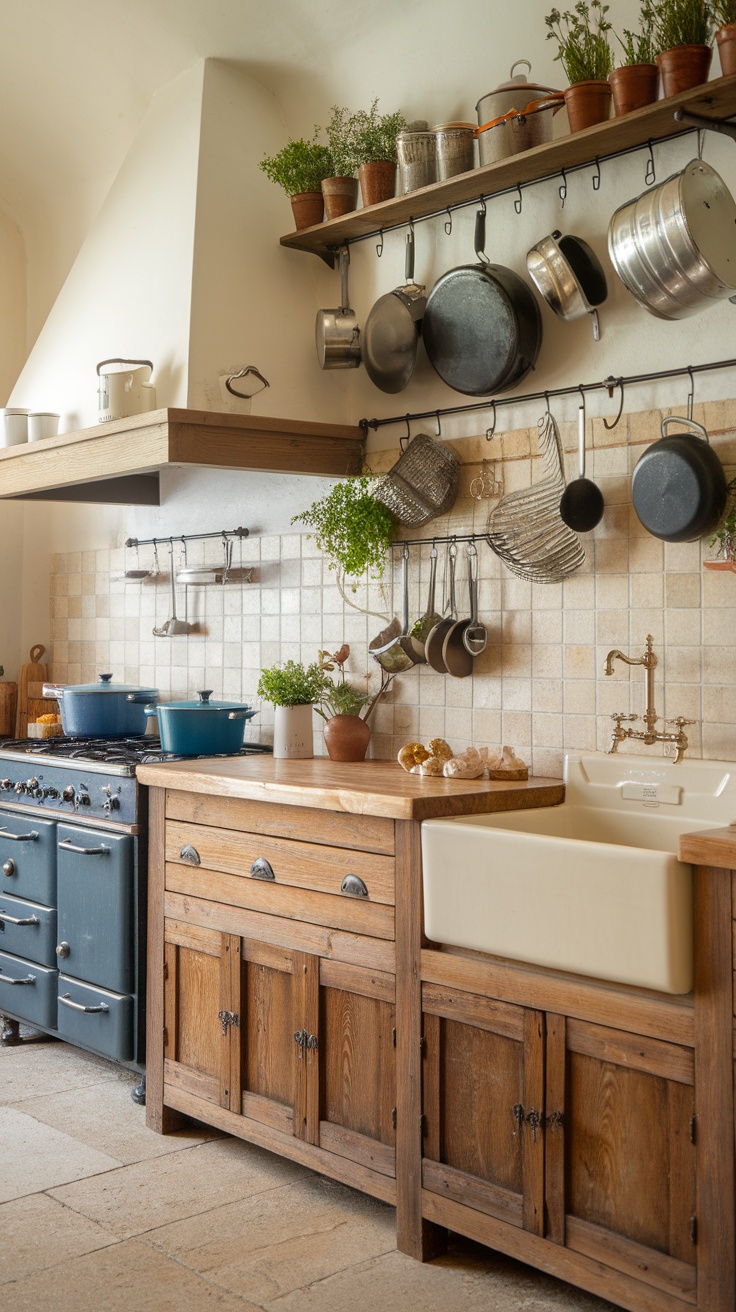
30,702
8,705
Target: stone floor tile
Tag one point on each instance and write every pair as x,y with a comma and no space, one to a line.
34,1069
35,1157
110,1121
150,1194
127,1276
286,1238
38,1232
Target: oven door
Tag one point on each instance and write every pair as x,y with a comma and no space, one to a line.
28,857
95,892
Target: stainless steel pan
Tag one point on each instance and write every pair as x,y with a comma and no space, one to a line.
391,333
337,335
569,276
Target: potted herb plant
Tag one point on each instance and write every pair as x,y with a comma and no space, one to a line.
683,30
725,534
353,529
636,82
293,689
346,710
299,168
375,144
586,56
340,189
724,13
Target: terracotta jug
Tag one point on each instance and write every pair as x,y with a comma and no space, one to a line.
347,738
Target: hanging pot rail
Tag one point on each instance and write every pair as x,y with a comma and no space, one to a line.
610,384
187,537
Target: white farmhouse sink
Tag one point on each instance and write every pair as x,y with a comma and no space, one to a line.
591,886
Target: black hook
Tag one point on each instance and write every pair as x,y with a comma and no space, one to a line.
610,384
492,426
482,209
597,175
405,437
379,246
448,221
518,202
581,390
691,393
651,174
439,426
546,402
563,189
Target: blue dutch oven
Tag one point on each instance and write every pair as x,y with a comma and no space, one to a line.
103,709
202,728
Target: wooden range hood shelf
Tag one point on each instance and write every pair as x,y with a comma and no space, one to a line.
119,462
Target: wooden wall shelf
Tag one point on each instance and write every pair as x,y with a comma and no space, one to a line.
119,462
716,100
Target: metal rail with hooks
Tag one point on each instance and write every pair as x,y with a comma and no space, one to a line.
610,384
187,537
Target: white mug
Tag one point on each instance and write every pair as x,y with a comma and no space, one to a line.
41,424
14,427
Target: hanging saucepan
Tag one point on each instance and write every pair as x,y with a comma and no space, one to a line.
678,486
336,332
673,247
569,276
391,332
482,326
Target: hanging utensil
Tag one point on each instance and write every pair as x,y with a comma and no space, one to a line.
581,504
427,621
475,636
436,636
569,276
337,334
456,654
397,653
392,329
679,486
173,626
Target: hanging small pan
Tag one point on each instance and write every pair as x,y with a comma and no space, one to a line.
391,332
569,276
337,335
678,486
482,327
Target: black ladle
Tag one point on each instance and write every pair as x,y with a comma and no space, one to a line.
581,504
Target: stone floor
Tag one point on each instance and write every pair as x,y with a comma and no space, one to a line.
97,1212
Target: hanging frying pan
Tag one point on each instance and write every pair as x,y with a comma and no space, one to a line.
570,277
482,327
678,486
391,332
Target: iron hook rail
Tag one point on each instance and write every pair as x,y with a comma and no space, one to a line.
187,537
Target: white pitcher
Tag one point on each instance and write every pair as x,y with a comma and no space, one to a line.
122,390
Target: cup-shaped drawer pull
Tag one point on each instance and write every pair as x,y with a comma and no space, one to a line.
262,869
66,1000
9,867
29,979
30,837
16,920
190,855
66,845
63,949
353,886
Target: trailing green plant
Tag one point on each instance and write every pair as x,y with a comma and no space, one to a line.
341,698
638,47
361,136
725,534
299,166
582,38
682,23
351,527
724,12
293,684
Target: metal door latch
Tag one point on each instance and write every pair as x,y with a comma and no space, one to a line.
228,1018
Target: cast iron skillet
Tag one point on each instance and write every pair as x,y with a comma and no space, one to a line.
482,327
678,485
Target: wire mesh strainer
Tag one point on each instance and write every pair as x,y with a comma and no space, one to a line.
422,483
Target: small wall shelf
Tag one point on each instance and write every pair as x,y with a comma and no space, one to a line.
119,462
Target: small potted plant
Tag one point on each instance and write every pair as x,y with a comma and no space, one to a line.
725,534
299,168
346,710
293,689
353,529
724,13
683,30
587,58
636,82
340,189
375,144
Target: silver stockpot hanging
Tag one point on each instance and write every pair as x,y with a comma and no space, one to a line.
674,247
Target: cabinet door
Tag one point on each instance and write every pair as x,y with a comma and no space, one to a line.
628,1157
196,1012
484,1104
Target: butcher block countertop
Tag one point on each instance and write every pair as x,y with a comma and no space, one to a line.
379,788
710,847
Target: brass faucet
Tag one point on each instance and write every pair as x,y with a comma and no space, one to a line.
649,734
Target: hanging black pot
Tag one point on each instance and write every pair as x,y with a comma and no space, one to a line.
678,486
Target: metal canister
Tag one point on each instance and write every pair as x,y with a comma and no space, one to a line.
454,147
416,151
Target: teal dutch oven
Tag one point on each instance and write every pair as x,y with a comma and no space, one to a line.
201,728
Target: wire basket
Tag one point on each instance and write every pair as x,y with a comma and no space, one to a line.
422,483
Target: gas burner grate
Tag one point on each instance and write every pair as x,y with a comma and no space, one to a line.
110,751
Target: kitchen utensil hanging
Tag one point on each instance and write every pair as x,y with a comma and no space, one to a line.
394,651
392,329
679,487
173,627
337,335
581,503
436,637
422,483
569,276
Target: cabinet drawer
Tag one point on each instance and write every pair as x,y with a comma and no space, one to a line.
28,930
28,857
301,865
366,833
28,990
96,1018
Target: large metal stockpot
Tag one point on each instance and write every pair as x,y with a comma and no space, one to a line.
674,247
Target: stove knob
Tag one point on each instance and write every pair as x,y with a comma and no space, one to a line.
68,794
5,785
20,788
84,799
51,792
112,801
31,786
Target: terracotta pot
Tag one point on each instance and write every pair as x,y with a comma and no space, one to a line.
307,208
633,86
377,181
684,67
726,38
347,738
340,196
588,103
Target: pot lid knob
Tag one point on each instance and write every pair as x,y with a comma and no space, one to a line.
204,695
104,678
519,77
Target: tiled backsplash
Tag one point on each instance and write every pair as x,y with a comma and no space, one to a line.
539,686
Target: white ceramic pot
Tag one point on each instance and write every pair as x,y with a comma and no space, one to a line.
292,732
